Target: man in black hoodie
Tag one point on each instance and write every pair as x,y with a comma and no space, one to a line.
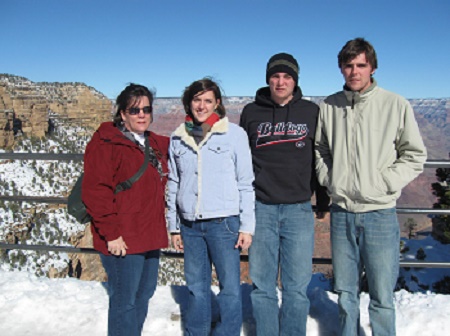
281,127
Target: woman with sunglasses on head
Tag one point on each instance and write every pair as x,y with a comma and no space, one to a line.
211,202
128,227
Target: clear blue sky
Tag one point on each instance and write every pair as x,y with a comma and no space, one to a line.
167,44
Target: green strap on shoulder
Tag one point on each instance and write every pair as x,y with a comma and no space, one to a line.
125,185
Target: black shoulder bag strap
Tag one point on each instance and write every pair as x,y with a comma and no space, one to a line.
125,185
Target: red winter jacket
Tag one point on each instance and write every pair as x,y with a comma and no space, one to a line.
136,214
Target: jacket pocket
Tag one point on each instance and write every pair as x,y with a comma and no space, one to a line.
221,174
232,224
221,158
220,149
180,156
375,190
128,202
379,184
131,225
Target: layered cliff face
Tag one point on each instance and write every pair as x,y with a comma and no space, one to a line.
27,107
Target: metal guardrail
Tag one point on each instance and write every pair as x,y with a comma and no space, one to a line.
168,254
35,199
79,157
63,200
179,255
41,156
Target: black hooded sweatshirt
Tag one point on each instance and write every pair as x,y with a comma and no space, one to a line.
282,144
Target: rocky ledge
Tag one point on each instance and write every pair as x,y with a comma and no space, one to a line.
29,107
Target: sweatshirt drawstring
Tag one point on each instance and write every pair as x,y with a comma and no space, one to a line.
273,120
287,119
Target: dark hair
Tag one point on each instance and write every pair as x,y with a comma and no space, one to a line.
355,47
200,86
129,96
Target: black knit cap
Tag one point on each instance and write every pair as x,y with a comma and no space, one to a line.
282,62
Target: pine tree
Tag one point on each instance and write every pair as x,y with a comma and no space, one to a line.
441,189
410,225
420,254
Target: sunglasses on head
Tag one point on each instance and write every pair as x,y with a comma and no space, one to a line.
137,110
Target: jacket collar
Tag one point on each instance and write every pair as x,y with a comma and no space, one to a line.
218,128
108,132
354,97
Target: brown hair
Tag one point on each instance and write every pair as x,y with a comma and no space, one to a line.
131,94
355,47
200,86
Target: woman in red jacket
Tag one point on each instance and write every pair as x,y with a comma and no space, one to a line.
128,227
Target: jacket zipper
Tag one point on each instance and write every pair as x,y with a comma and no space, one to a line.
353,152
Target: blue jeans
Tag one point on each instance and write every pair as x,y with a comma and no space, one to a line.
284,242
206,242
369,242
131,283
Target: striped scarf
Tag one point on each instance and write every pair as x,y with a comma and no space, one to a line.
199,131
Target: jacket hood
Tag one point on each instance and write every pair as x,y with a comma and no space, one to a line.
263,96
108,132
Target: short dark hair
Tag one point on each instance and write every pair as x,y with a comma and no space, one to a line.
355,47
200,86
130,95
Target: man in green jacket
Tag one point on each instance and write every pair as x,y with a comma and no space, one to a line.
368,147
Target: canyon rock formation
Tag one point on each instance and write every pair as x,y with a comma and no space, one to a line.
28,107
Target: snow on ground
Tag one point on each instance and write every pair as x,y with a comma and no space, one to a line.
40,306
418,279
